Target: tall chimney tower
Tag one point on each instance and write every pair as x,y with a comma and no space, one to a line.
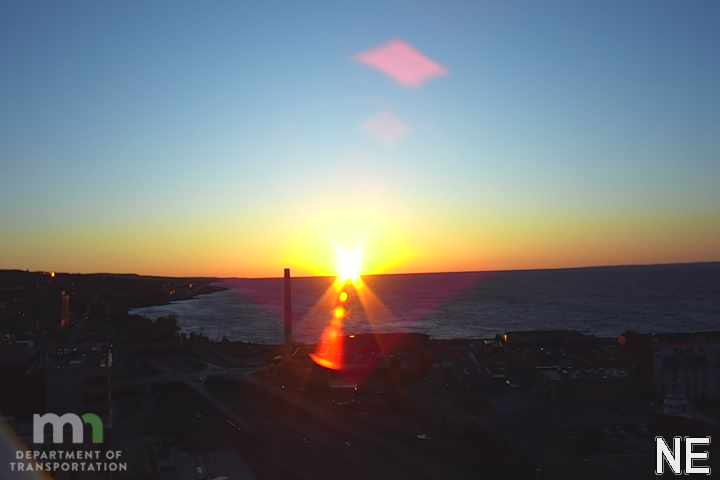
287,308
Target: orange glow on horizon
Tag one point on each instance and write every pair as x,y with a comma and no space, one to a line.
398,236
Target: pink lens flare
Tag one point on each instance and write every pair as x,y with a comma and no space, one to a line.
386,128
401,62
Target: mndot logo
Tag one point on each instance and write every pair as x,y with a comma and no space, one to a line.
76,422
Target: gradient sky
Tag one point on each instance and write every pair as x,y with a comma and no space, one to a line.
214,138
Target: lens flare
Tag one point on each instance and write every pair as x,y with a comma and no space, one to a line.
329,351
339,313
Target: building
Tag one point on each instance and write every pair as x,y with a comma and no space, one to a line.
688,366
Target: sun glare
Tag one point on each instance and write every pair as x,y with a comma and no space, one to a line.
349,263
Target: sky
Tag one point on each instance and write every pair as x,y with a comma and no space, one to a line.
237,138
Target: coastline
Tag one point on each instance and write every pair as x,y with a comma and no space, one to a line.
211,286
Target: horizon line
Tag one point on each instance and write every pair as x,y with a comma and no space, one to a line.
445,272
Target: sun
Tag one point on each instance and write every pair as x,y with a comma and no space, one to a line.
348,264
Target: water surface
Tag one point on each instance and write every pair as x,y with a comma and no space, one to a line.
602,301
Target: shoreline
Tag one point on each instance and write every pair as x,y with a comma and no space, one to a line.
207,289
526,337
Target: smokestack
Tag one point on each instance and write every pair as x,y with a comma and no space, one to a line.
287,307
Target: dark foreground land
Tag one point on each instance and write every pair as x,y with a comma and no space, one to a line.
522,405
430,409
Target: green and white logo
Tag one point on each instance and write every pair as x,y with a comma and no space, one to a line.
76,423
